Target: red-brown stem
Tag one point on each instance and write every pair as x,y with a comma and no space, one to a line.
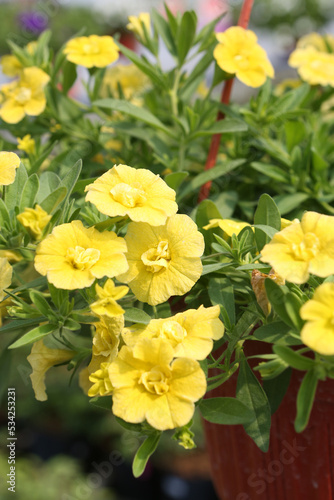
225,99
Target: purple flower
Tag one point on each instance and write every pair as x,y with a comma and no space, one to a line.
33,21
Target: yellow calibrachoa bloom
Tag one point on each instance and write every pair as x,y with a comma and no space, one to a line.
314,59
138,193
92,51
239,53
101,382
6,272
313,66
27,144
136,24
303,248
9,162
72,256
24,96
190,333
229,226
149,385
129,77
105,341
41,359
318,332
164,260
107,297
35,220
10,65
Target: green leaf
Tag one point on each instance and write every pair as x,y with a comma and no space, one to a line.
305,399
71,178
175,179
226,203
146,449
29,192
40,302
271,171
288,202
293,359
228,125
163,29
206,211
251,393
221,292
51,202
34,335
209,175
15,325
128,108
144,66
4,214
69,76
211,268
276,332
226,411
266,214
137,316
186,34
276,388
277,298
104,402
128,426
196,74
295,132
267,230
14,191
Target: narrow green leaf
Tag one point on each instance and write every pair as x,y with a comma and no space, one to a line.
51,202
271,171
276,389
163,29
267,214
277,298
104,402
40,302
128,108
221,292
71,178
186,34
18,324
211,268
228,125
305,399
146,449
175,179
293,359
136,316
288,202
251,393
34,335
276,332
226,411
14,191
29,192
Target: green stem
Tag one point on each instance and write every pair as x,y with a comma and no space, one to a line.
173,93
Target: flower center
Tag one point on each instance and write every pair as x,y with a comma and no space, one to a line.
173,331
307,249
128,196
157,258
155,381
91,48
82,258
241,61
23,95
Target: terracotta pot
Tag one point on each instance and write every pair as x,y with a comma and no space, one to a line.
296,467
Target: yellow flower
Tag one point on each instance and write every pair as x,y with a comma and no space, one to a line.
72,256
84,382
107,296
9,162
285,222
101,382
10,65
239,53
105,341
138,193
149,386
322,43
303,248
35,220
11,256
41,359
24,96
128,76
136,24
164,260
27,144
190,333
286,85
318,332
6,272
313,66
92,51
229,226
